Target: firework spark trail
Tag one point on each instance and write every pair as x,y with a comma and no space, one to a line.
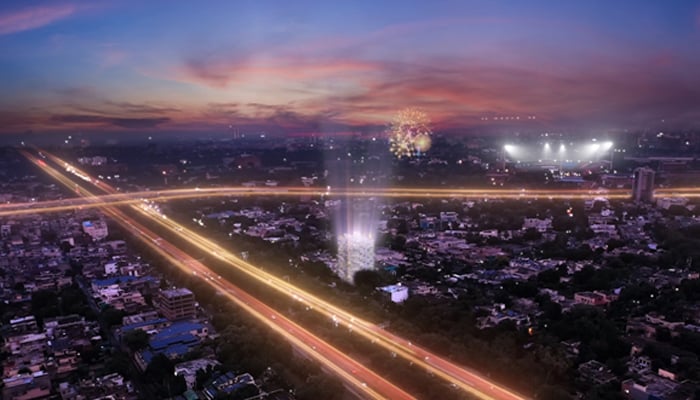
409,133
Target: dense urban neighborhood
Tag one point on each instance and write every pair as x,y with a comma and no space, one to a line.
594,297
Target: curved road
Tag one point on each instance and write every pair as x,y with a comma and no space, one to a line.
355,376
469,381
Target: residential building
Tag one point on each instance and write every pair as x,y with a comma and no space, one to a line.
177,304
97,230
188,369
591,298
397,293
643,188
36,385
228,384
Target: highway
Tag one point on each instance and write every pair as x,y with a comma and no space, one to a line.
116,198
359,379
459,376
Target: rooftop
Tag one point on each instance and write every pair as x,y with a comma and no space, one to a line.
179,292
393,288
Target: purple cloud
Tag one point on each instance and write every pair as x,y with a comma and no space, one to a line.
129,123
33,17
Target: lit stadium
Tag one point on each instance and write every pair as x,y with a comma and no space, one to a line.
562,153
559,156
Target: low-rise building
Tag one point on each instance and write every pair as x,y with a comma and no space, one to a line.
595,372
591,298
173,341
397,293
97,230
34,386
188,369
229,384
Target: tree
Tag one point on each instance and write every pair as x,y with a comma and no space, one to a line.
161,372
45,304
65,247
531,235
160,367
520,289
48,236
676,210
550,309
317,269
203,376
321,386
553,393
119,362
367,280
136,339
549,278
110,316
73,301
398,243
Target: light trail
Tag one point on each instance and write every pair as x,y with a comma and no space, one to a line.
360,379
117,198
467,380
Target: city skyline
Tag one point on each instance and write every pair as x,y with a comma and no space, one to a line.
312,68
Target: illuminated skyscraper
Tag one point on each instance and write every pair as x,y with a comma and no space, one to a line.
355,253
643,189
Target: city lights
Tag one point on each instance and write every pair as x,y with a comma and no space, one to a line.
470,382
314,347
350,200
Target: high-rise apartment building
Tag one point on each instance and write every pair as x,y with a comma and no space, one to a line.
643,189
355,253
176,304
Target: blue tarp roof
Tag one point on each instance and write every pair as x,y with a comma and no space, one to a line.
137,325
173,340
122,279
114,280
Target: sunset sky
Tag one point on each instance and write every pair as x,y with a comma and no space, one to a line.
302,66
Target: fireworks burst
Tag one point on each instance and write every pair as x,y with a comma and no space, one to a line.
409,133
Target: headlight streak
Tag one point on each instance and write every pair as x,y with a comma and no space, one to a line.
127,198
469,381
392,342
369,386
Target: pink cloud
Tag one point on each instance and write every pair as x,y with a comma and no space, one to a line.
34,17
112,57
220,74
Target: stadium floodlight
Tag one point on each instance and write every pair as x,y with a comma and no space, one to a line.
562,148
509,148
607,146
590,150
